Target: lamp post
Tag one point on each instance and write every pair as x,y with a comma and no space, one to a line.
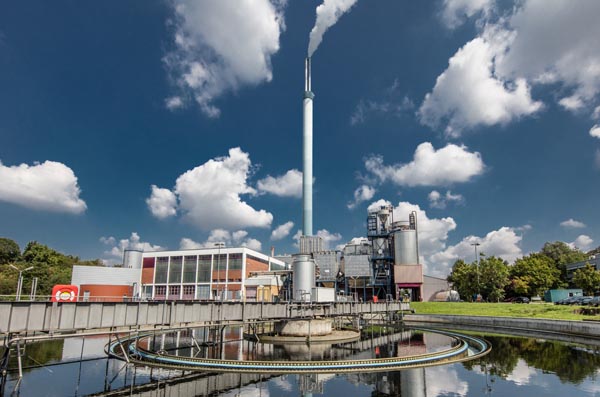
477,259
20,280
219,245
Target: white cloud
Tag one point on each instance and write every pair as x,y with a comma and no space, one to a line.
328,237
287,185
569,55
209,194
469,93
487,81
162,202
253,244
521,374
282,231
583,242
108,240
328,14
572,103
174,103
133,242
437,200
236,239
49,186
503,243
430,167
595,131
455,12
221,46
361,194
596,113
572,224
445,381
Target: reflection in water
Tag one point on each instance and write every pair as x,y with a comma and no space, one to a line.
516,366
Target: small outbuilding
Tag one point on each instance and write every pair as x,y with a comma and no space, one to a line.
555,295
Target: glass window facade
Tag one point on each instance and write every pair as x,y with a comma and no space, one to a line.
235,261
189,269
175,269
161,270
204,269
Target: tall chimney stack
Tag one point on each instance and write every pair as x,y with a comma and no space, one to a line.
307,153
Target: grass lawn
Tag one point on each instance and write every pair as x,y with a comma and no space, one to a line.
532,310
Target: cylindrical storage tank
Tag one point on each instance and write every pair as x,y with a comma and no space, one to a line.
405,247
303,267
132,259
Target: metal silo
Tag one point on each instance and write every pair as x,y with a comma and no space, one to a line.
405,247
304,276
132,259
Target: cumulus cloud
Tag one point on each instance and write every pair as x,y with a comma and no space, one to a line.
221,46
134,242
595,131
572,103
583,242
444,381
488,80
282,231
469,93
521,374
430,167
286,185
543,54
328,14
49,186
209,195
328,237
455,12
362,194
572,224
503,243
162,202
439,201
236,239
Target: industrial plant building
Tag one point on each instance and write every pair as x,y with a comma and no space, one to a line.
206,274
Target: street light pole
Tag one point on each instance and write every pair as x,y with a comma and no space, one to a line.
219,245
19,280
477,259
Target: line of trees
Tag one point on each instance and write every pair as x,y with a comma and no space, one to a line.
49,266
530,275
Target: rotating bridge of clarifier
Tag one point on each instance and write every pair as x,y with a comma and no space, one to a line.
466,348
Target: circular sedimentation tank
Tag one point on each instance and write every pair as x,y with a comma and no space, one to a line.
464,348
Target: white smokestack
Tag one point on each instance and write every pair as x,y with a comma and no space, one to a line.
307,152
328,14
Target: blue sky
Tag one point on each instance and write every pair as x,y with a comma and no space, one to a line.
178,123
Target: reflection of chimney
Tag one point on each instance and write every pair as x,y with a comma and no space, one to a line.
272,251
307,152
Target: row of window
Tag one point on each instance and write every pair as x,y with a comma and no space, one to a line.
177,269
189,292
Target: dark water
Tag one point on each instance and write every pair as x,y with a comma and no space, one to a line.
516,367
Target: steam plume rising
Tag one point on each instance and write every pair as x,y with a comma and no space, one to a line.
328,14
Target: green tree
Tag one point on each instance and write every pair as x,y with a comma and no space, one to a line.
493,278
587,278
562,254
532,275
9,251
464,279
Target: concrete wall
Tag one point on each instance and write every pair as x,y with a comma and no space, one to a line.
578,328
